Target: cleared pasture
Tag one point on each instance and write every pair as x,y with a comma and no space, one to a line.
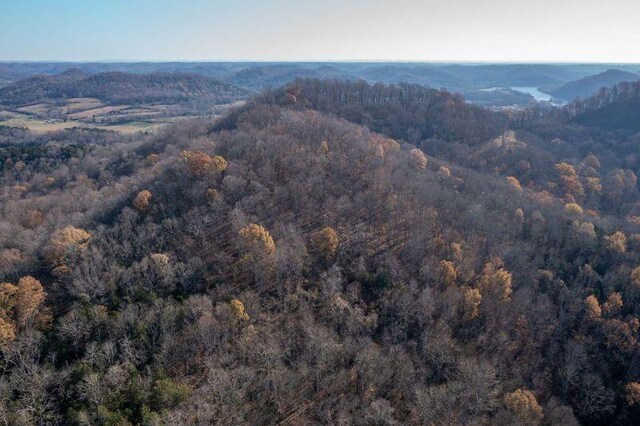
95,112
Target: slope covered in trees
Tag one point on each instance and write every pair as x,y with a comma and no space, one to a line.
589,86
405,111
286,265
119,87
615,108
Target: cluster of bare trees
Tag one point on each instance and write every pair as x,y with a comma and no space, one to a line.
298,268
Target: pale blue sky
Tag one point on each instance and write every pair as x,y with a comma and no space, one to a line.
296,30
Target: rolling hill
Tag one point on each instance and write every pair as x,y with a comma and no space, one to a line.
589,86
613,108
119,87
315,259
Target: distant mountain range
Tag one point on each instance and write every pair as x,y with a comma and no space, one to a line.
262,74
131,82
589,86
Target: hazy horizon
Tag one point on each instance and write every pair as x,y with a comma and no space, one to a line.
303,31
314,61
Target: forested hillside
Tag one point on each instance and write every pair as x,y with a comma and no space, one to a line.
589,86
119,87
330,253
406,111
615,108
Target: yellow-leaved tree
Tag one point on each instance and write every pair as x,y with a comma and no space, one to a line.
200,164
497,282
142,201
258,251
20,306
62,243
238,310
471,306
524,406
326,242
447,273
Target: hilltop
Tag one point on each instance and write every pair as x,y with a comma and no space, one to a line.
589,86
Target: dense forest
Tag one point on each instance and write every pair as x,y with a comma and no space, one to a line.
329,253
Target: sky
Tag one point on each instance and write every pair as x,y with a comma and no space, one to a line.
306,30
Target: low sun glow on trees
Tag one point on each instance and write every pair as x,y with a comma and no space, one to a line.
20,305
326,242
201,164
64,242
258,251
142,201
523,404
418,159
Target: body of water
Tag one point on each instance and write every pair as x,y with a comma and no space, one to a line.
533,91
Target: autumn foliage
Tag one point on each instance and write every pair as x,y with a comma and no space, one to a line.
20,305
632,394
201,164
142,200
523,404
64,241
497,282
238,310
418,159
258,251
326,242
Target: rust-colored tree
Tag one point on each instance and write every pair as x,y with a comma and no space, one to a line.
142,201
200,164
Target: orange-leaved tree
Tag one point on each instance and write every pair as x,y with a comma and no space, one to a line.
142,201
200,164
20,306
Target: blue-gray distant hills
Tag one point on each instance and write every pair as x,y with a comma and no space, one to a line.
120,87
589,86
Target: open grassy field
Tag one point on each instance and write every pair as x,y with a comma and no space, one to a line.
96,112
7,115
134,127
43,126
81,104
92,113
42,108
